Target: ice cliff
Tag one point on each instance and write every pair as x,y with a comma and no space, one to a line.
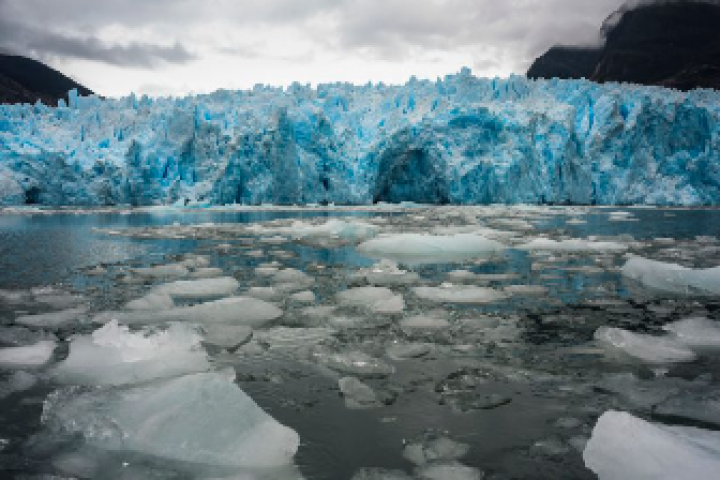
458,140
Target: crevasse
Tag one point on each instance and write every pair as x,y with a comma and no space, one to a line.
460,140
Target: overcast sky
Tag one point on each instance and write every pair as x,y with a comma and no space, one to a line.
175,47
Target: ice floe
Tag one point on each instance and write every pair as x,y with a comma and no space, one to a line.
113,355
624,447
414,248
450,293
233,310
357,395
697,333
647,348
573,246
27,357
201,418
52,320
672,278
376,299
202,289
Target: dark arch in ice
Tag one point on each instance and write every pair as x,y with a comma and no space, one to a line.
410,176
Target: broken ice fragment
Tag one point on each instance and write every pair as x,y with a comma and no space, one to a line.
448,293
376,299
647,348
113,355
52,320
27,357
233,310
203,289
201,418
671,278
624,447
357,394
418,248
355,363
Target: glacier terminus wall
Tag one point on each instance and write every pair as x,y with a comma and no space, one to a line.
459,140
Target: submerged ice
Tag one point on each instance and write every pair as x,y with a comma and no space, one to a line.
460,139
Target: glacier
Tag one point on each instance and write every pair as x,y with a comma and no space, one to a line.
458,140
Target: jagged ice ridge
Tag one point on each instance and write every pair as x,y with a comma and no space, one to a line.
461,140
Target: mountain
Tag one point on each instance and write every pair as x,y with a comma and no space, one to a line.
23,80
671,44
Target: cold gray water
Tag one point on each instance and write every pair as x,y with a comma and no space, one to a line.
377,352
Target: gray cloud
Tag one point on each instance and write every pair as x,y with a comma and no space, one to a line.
494,35
46,43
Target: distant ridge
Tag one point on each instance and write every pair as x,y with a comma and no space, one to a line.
671,43
23,80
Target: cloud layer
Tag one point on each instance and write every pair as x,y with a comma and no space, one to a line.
206,44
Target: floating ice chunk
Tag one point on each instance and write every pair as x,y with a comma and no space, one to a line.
191,260
696,333
357,394
428,322
269,294
528,290
294,276
27,357
448,471
266,271
672,278
358,323
162,271
54,298
52,320
387,273
449,293
417,248
441,449
319,312
233,310
14,296
549,447
377,299
402,351
204,289
227,336
572,246
113,355
306,296
152,301
639,393
354,363
351,231
293,339
624,447
17,382
647,348
207,272
201,418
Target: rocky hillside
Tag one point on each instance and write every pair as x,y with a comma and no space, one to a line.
23,80
671,44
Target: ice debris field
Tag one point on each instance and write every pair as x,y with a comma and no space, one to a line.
425,343
459,140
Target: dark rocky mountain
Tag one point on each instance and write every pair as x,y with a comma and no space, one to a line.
23,80
566,62
672,44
